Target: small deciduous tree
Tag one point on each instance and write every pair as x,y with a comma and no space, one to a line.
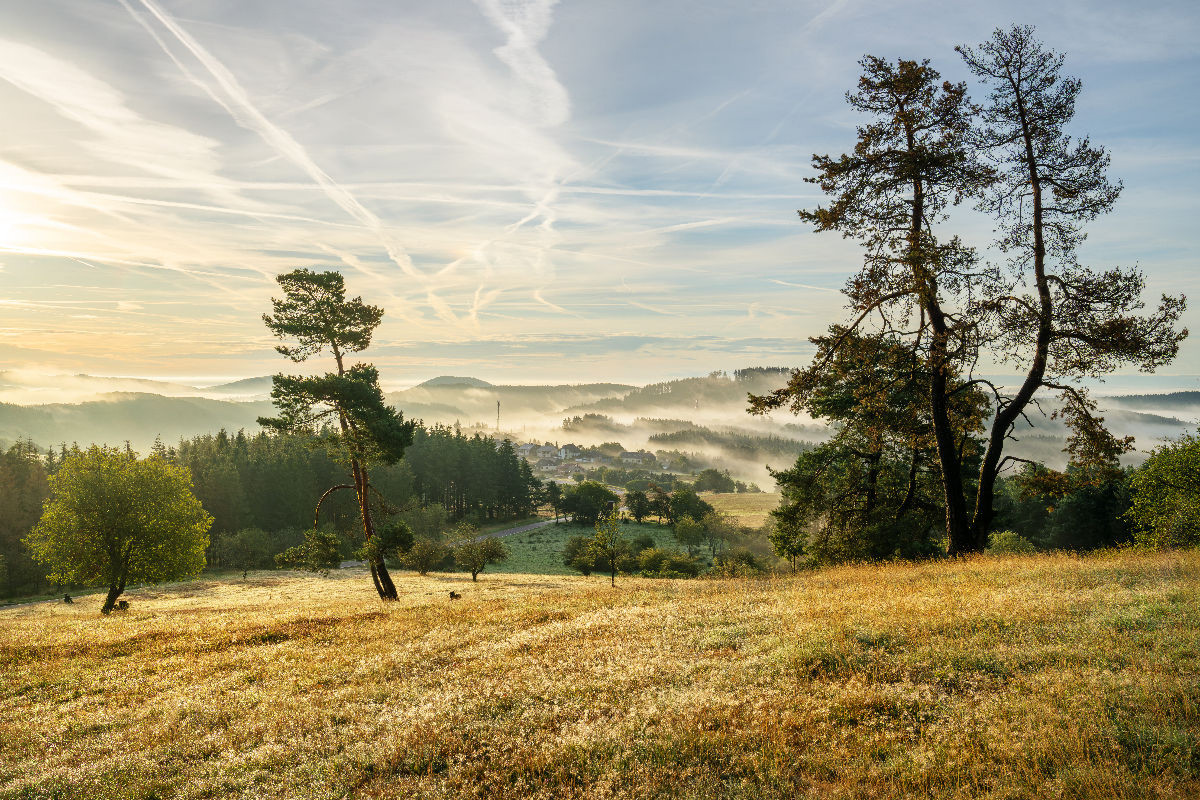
554,497
473,553
686,503
638,504
320,552
608,544
424,555
1166,495
112,518
690,533
588,502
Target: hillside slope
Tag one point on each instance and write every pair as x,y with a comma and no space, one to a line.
1022,677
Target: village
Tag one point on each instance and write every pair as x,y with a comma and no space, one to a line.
571,462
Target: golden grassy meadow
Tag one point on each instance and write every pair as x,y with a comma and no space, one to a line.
1016,677
751,510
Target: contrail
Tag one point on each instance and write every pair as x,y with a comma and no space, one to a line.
234,99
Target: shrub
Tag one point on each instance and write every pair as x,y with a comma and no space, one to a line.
424,555
1009,542
320,552
737,563
654,562
578,557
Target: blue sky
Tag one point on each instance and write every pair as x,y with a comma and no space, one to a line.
534,191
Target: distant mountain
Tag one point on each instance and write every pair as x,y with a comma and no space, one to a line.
687,398
450,380
1182,399
247,387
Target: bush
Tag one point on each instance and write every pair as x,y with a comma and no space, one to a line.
1009,542
320,552
654,562
473,553
424,555
578,556
738,563
643,542
1166,496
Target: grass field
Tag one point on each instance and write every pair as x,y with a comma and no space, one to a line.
751,510
539,552
1019,677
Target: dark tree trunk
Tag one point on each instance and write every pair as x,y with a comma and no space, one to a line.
114,591
958,528
379,570
988,471
957,523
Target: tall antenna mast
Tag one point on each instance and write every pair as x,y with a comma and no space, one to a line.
497,416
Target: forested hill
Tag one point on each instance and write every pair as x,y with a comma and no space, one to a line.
1180,404
717,394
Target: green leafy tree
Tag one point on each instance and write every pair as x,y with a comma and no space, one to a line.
112,518
473,553
588,502
690,534
554,496
788,537
316,316
608,544
320,552
425,555
1166,495
712,480
638,504
719,531
685,503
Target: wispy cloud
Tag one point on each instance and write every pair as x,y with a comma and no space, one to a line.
493,169
229,93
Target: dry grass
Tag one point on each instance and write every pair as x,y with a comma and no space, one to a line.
750,510
999,678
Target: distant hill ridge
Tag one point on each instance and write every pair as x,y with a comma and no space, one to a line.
450,380
1167,399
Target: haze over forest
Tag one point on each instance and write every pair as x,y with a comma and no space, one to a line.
702,416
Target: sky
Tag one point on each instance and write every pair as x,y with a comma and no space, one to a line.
534,191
